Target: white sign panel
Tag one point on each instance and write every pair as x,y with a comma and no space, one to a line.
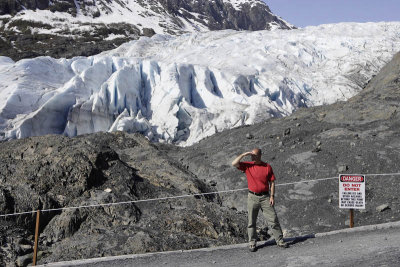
351,191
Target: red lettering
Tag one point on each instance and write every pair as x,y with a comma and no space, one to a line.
350,178
352,189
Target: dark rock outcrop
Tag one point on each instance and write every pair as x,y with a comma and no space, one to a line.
12,7
51,172
217,15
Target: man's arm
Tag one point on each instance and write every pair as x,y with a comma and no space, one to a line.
272,193
236,161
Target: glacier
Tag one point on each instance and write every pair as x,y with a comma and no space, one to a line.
182,89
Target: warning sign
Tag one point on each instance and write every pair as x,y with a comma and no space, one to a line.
351,191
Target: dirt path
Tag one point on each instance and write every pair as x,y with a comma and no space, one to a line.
364,246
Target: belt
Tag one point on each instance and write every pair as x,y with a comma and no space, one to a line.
266,193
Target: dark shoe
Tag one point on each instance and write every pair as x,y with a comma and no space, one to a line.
282,244
253,247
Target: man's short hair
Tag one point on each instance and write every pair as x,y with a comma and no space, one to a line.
257,151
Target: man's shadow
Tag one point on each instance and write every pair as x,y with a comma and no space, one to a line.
290,240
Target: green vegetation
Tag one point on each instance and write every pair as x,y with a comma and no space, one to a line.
25,25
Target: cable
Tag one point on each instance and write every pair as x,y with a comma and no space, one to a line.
181,196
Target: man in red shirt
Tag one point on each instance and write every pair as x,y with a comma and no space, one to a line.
261,183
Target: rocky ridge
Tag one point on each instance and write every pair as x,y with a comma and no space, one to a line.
67,28
51,172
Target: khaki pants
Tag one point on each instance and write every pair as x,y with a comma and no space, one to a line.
254,204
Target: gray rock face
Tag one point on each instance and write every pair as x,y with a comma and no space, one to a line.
217,15
14,6
51,172
26,42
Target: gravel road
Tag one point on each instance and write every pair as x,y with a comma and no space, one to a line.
358,247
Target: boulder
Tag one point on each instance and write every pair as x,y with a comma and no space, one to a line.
382,207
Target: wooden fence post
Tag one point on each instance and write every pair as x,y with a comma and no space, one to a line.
35,250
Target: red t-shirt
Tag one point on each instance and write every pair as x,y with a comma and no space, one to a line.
258,176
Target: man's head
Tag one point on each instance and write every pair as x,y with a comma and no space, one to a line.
256,154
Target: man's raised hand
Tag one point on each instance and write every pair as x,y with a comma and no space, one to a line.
250,153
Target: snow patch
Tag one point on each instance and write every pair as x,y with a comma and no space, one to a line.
114,36
237,3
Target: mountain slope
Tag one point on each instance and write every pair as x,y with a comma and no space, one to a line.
182,89
66,28
359,136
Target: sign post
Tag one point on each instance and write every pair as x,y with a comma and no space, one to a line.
351,218
351,193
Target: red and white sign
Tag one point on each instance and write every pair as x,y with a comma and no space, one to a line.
351,191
